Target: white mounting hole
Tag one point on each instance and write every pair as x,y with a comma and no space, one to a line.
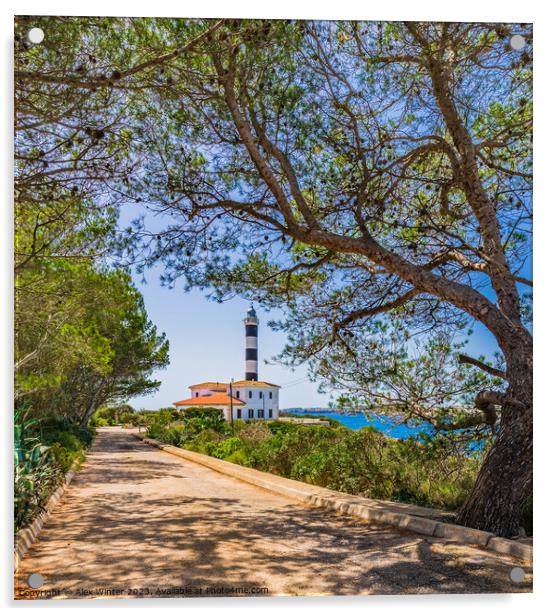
518,42
35,580
517,575
35,35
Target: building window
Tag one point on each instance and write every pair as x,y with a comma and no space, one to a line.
237,394
250,394
260,395
270,413
196,394
238,413
251,413
270,395
260,413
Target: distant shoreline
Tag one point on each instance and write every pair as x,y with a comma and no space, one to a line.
356,421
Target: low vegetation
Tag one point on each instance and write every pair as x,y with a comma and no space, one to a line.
363,462
44,450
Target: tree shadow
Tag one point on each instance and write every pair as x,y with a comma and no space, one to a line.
193,528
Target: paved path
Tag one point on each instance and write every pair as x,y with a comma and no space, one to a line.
137,518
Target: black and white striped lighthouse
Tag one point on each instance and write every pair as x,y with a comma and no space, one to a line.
251,346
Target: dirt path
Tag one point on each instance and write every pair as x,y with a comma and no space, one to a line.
137,521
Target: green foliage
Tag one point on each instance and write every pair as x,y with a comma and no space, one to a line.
171,435
44,450
165,416
363,462
199,419
198,425
224,449
35,475
239,457
113,415
370,464
67,451
103,349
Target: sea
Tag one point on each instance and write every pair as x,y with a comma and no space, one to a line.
356,421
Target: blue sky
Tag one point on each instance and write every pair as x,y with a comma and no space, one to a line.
207,342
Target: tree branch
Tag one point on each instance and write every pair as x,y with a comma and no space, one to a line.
466,359
95,83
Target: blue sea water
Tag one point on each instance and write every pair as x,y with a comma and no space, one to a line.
358,421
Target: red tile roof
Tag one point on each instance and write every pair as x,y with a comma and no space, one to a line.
214,384
209,385
218,399
255,384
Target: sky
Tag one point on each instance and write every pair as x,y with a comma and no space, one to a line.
207,343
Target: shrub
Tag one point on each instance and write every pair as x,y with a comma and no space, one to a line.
239,457
208,435
224,448
127,417
364,462
67,441
67,449
205,417
253,433
36,474
49,429
172,435
44,450
165,416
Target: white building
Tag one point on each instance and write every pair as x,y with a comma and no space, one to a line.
247,399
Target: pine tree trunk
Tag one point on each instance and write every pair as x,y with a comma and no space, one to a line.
504,482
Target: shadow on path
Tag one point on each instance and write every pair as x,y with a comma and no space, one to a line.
138,518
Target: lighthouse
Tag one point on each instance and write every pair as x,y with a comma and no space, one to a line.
251,345
246,400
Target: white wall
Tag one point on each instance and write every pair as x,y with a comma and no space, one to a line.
256,403
207,392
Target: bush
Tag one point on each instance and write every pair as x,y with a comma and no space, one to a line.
239,457
225,448
165,416
364,462
67,449
112,415
44,450
206,417
253,434
67,441
171,435
50,428
35,472
281,452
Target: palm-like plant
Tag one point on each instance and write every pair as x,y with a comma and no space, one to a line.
35,474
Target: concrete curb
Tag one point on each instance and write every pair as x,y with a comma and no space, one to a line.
406,517
29,534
